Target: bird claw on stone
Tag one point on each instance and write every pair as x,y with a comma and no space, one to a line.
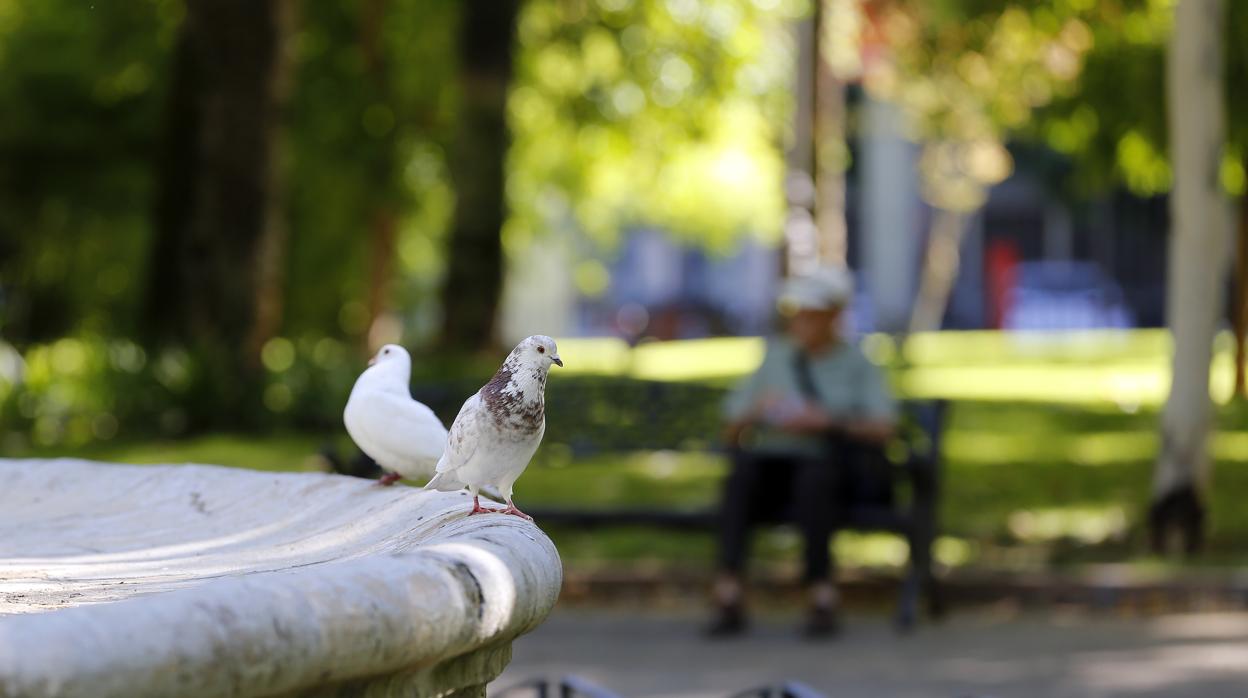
483,510
389,479
516,512
478,509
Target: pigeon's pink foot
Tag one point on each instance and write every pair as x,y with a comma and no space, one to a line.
389,479
478,509
511,509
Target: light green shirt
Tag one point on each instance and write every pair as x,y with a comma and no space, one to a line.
849,387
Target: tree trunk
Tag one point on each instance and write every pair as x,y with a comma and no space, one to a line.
270,291
215,276
1199,247
382,235
940,270
383,220
801,243
890,213
1240,316
470,296
830,151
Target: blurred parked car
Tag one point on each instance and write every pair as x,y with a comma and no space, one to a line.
1065,296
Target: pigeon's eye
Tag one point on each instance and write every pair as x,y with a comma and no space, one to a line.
386,351
541,349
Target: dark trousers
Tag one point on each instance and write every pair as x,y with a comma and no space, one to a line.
765,488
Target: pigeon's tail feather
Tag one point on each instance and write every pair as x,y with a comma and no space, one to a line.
443,482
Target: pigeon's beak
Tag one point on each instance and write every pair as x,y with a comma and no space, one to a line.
372,360
558,361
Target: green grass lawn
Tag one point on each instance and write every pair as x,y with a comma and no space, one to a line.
1027,485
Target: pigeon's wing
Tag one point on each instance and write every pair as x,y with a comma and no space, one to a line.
402,426
522,461
465,435
352,414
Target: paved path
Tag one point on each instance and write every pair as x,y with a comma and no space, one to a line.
979,654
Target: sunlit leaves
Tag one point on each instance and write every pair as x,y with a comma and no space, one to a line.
968,77
1113,124
367,139
1144,168
649,112
1232,174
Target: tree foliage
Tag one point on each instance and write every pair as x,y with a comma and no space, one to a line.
1113,124
371,114
82,86
969,75
668,114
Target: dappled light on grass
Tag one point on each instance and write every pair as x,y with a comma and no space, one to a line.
994,347
660,478
698,359
683,360
1230,446
1127,384
992,447
953,552
1128,369
1088,525
597,355
871,549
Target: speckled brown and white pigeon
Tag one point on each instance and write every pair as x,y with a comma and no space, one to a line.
404,436
499,428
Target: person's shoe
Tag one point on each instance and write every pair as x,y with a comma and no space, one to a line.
729,621
822,623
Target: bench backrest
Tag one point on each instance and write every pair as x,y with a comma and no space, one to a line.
609,414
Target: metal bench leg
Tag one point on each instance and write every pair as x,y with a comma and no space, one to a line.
921,560
911,587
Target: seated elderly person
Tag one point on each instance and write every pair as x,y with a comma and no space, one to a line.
799,428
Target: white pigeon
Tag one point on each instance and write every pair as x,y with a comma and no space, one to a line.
498,429
404,436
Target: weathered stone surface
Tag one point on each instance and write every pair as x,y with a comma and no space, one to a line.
120,580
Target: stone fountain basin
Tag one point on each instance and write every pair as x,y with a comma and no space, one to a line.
195,580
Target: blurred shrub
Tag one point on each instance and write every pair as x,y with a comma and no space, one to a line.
80,390
594,413
76,390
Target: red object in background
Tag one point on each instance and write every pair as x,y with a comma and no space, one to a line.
1001,264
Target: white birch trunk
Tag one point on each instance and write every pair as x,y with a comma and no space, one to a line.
829,133
1199,241
800,233
940,270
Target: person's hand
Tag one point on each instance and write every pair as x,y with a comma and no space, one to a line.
809,419
732,433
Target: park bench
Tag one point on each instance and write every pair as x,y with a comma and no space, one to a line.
596,415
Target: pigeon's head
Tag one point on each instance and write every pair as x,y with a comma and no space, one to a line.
538,350
391,355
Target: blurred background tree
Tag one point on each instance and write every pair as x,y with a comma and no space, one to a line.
381,169
84,91
216,266
968,76
248,217
474,279
661,114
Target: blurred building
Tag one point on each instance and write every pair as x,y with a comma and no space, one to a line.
1030,260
